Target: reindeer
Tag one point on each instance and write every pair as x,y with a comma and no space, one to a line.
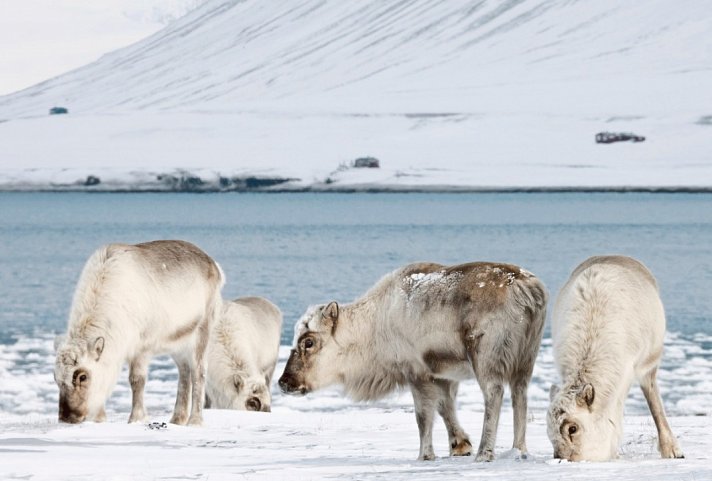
608,326
242,355
132,302
428,327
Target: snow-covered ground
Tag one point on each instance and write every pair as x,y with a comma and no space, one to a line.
321,445
446,94
323,435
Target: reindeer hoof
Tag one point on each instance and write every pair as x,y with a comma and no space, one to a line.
485,457
671,452
138,418
195,421
427,457
461,448
100,417
179,420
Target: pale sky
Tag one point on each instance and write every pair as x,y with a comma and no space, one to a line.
40,39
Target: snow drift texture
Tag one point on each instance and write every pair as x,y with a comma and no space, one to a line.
448,94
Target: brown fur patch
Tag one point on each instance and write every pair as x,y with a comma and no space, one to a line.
184,331
480,285
485,283
439,362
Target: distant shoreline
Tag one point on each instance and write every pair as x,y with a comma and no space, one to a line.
372,189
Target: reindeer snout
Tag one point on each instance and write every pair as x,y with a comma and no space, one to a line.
253,404
289,385
284,383
70,417
67,415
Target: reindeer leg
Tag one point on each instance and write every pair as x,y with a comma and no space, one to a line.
518,387
180,413
425,396
479,350
198,368
459,441
493,392
668,444
138,372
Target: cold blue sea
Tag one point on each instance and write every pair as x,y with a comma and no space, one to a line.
302,249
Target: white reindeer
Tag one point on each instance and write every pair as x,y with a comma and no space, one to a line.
131,302
607,326
242,354
428,327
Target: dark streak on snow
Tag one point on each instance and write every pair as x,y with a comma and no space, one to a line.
277,185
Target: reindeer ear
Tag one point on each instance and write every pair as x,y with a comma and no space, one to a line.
330,314
586,395
58,341
237,381
98,347
553,391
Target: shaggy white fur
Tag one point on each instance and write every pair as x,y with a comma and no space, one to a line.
242,354
132,302
608,326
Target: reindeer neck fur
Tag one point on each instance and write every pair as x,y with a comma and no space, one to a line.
597,367
89,320
118,333
234,356
592,356
370,373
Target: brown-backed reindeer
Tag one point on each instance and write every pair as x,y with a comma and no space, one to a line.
132,302
428,327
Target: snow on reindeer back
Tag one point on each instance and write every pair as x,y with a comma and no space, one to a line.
419,284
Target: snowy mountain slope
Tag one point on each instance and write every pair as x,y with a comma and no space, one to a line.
466,93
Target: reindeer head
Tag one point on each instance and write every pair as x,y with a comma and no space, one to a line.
247,393
81,395
577,430
313,363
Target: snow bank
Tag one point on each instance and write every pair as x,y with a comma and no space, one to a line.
324,435
290,445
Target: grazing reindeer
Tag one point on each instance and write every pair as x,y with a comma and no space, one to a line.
131,302
242,354
428,327
607,326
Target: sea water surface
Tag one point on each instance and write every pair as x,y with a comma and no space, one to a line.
302,249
